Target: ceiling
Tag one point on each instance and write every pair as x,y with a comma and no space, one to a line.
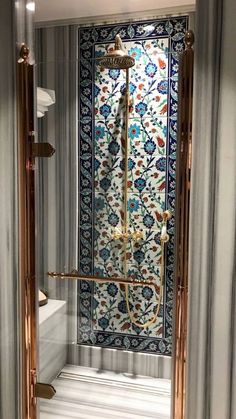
51,10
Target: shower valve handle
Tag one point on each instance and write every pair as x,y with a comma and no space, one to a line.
137,235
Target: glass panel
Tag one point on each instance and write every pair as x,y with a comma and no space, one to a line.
91,329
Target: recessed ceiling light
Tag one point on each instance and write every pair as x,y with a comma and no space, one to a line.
31,6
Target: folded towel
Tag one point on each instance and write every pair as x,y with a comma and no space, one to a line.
42,298
45,98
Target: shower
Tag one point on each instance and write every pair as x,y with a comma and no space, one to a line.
114,315
116,58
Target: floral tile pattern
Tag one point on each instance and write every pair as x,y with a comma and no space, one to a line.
146,136
146,175
144,215
103,317
144,211
148,95
110,310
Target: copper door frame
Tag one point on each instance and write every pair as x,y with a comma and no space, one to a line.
26,187
183,189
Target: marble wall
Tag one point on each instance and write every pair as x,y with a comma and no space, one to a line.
14,19
56,197
211,385
52,339
103,316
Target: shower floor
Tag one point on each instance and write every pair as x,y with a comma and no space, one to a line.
86,393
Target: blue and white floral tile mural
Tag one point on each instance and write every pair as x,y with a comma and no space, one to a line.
103,315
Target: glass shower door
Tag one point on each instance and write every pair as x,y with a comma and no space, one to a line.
105,261
97,276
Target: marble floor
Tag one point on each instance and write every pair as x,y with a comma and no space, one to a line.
86,393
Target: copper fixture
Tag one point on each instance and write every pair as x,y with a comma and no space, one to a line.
27,231
116,58
27,151
183,189
116,279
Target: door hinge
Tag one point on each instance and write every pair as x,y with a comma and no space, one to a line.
42,150
44,391
41,390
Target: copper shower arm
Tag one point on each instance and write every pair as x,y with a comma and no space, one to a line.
93,278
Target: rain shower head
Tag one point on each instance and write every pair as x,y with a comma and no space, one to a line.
116,59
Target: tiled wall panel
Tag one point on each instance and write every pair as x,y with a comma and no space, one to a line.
103,316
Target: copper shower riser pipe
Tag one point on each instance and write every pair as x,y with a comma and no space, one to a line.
93,278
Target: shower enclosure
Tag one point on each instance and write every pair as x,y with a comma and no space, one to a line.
105,217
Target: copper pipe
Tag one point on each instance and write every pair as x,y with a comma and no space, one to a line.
93,278
25,102
183,186
126,169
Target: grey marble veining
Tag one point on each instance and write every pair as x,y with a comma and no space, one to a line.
88,393
211,384
52,339
120,361
13,20
56,178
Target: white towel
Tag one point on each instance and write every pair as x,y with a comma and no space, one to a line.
45,98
